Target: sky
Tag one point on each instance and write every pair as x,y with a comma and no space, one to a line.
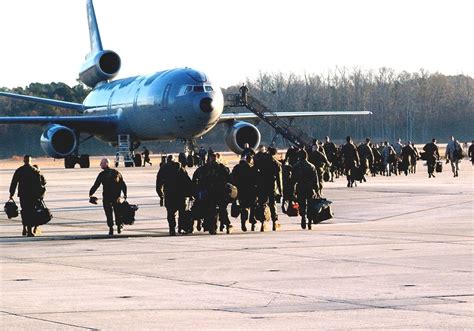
232,41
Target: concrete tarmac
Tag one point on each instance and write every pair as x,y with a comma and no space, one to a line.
397,255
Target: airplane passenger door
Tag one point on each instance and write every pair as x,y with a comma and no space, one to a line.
166,95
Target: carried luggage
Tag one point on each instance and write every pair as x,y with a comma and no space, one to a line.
126,213
262,213
293,209
320,210
186,220
234,209
423,156
439,166
42,215
11,209
231,191
357,173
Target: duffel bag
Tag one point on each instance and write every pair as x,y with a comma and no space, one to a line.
126,213
293,209
11,209
319,210
42,214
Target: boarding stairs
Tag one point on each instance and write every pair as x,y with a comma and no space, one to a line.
125,150
283,127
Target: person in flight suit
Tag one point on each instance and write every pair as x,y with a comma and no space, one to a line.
112,186
269,183
432,155
215,176
320,162
30,188
305,178
244,177
244,90
146,156
351,160
174,185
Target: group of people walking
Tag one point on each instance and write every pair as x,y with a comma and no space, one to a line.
253,187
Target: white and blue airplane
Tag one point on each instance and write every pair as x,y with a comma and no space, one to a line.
167,105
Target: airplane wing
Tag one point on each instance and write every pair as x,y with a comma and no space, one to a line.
248,116
58,103
94,124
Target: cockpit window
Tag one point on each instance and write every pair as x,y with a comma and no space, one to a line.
186,89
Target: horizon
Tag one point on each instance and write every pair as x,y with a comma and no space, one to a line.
236,43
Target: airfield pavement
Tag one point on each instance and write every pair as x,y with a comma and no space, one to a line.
397,255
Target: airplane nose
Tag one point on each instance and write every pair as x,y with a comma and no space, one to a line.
206,105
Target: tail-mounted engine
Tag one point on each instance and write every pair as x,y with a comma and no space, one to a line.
100,67
239,133
58,141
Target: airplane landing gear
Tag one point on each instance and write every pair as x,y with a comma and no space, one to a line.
83,160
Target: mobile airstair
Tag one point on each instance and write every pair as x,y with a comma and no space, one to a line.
283,127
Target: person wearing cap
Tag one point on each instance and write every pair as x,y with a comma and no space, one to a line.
112,186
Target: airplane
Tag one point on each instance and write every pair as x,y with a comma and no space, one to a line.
180,103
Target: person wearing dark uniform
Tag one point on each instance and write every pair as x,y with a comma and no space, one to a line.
288,185
247,151
292,155
320,162
408,154
470,152
173,185
413,160
366,157
269,183
146,156
432,155
330,149
305,178
244,90
30,190
215,176
351,160
112,186
244,177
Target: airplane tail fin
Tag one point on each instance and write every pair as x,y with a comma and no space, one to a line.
100,65
94,35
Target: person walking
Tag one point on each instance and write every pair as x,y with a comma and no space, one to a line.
305,178
432,156
146,156
31,187
113,186
174,185
454,155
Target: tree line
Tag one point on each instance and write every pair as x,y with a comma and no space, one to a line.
411,106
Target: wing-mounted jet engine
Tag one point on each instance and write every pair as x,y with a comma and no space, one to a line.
239,133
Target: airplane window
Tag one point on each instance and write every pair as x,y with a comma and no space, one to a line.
209,88
198,88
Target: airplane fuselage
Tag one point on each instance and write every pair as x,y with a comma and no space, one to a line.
176,103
